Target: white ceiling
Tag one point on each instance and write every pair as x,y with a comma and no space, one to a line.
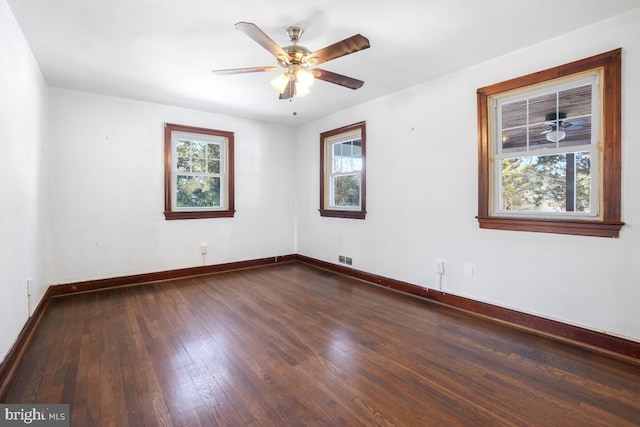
164,50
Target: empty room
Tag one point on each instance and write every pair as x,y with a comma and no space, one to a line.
320,213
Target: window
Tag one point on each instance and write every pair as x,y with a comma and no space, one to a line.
342,172
546,158
198,171
549,150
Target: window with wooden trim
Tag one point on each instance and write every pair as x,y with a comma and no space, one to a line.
342,172
549,150
198,169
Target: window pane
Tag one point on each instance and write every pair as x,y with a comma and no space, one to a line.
541,106
583,182
514,140
213,166
346,191
198,149
213,151
198,165
577,132
183,148
540,136
554,183
183,164
575,102
356,148
347,157
197,191
514,114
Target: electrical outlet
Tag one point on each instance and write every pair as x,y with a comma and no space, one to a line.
29,291
440,266
342,259
348,261
203,248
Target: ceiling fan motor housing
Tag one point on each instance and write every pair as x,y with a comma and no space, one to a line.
552,117
296,54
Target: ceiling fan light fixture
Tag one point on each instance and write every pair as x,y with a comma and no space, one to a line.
302,90
280,82
556,135
304,78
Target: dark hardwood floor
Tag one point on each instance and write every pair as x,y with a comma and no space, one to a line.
294,345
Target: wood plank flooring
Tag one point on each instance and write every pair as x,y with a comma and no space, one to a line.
291,345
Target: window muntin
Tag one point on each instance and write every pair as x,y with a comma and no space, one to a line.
546,150
198,172
342,181
606,126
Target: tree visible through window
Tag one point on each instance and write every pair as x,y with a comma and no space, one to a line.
198,172
342,181
554,183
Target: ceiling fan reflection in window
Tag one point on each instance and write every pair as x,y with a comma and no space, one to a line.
557,126
298,63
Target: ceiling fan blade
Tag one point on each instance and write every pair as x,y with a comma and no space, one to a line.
575,124
335,78
336,50
263,40
289,91
245,70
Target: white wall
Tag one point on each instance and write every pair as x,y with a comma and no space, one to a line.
106,190
23,242
422,197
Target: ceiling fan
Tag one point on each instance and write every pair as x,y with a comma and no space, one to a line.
298,63
557,126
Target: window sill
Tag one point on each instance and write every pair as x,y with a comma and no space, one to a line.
558,226
171,215
343,214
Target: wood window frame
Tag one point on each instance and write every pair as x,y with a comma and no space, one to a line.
343,213
609,222
171,214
